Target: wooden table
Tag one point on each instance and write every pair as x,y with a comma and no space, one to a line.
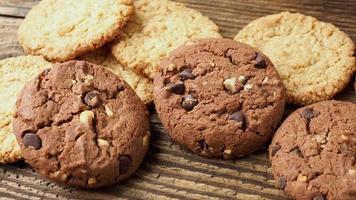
170,172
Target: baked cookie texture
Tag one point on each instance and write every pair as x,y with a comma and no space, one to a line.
219,98
62,30
81,125
142,85
158,27
15,72
314,59
313,152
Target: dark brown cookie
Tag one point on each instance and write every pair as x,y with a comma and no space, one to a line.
81,125
313,153
219,98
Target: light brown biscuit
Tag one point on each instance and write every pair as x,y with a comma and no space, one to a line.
140,84
159,26
15,72
62,30
315,59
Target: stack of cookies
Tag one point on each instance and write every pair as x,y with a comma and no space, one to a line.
84,122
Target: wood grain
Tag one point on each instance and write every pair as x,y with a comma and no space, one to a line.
170,172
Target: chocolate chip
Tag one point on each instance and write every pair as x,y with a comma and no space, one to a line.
320,197
203,145
125,162
120,88
189,102
275,149
307,113
260,61
237,116
177,88
92,98
186,74
282,182
298,152
30,139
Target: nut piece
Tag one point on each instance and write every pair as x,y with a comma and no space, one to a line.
102,143
227,152
265,80
108,111
242,79
344,137
60,176
91,181
248,87
230,85
321,138
86,118
88,78
171,67
302,178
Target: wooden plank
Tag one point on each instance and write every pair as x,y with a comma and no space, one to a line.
170,172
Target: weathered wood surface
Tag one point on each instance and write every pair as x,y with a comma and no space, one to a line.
170,172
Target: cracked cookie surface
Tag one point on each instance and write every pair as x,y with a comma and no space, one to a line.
62,30
313,152
81,125
314,59
158,27
14,73
219,98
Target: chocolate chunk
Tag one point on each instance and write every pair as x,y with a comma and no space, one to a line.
282,182
203,145
298,152
189,102
320,197
92,98
186,74
30,139
237,116
307,113
260,61
177,88
275,149
125,162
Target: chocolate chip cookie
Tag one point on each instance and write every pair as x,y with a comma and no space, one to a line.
219,98
313,152
81,125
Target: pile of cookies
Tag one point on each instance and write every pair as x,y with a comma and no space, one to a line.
80,117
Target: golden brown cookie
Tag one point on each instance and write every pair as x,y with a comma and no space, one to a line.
62,30
315,59
15,72
159,26
140,84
